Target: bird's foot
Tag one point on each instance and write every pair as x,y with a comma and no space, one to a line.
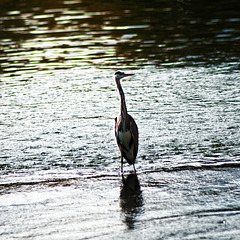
121,173
134,170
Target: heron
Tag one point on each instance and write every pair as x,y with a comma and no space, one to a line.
126,130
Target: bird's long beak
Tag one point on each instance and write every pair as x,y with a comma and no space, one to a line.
128,74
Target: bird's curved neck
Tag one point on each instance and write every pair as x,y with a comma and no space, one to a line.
123,107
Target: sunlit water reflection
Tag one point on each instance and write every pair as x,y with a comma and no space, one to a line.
67,34
59,161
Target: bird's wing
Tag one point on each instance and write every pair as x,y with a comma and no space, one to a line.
134,133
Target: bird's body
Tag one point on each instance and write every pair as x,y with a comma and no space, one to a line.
126,130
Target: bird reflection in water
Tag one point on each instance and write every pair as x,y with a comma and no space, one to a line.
131,200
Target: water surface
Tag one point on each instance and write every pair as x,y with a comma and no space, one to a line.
59,161
66,34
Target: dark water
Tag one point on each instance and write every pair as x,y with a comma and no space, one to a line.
47,35
59,161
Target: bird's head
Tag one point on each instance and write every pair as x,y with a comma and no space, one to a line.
119,75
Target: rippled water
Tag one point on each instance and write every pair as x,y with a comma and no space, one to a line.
65,34
59,161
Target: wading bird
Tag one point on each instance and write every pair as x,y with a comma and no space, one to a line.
126,130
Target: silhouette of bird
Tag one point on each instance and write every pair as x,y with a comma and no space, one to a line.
126,130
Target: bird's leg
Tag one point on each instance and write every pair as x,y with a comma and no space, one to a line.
134,169
121,164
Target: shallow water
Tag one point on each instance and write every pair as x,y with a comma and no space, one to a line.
59,161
